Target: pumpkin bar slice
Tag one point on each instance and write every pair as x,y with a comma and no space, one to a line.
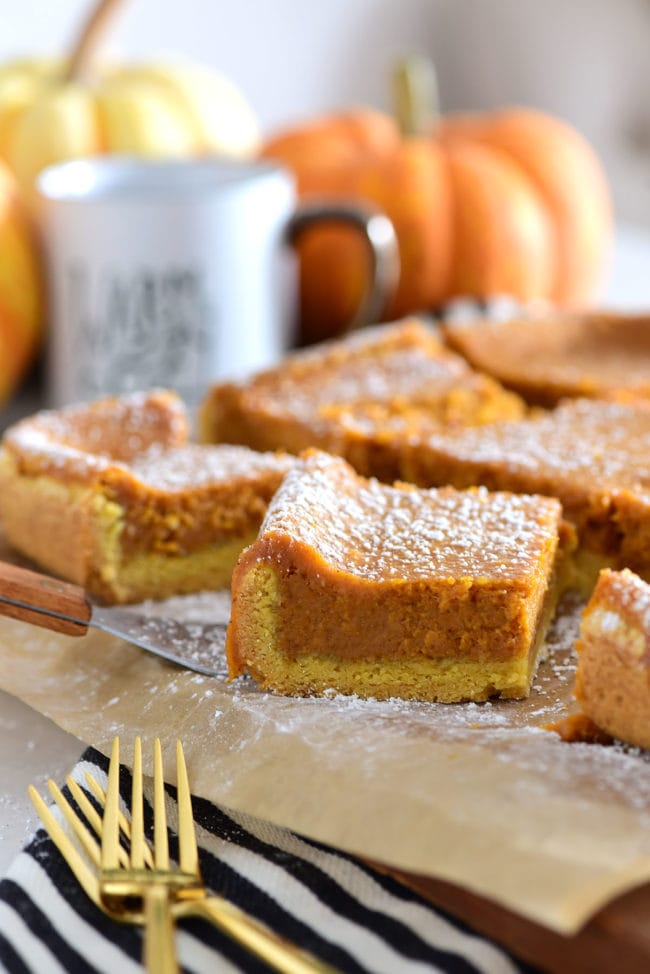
594,455
613,672
112,496
356,587
357,397
548,357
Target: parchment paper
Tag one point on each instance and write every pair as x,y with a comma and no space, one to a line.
478,795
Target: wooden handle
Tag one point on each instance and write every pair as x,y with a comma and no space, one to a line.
43,601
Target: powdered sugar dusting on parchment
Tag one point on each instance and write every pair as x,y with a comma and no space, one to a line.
451,790
206,607
550,699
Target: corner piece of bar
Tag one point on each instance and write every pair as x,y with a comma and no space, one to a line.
613,672
111,495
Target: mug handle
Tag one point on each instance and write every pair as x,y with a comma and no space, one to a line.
381,239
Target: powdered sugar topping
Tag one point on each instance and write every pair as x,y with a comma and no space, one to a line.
597,442
380,532
88,438
194,465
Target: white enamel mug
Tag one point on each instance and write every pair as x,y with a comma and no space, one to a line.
178,274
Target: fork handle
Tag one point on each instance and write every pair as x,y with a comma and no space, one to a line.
280,954
159,941
43,601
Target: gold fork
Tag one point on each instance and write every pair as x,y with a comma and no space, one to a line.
120,887
184,895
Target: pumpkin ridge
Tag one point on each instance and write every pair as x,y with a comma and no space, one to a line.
518,204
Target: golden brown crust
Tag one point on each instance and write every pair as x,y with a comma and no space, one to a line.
46,519
551,356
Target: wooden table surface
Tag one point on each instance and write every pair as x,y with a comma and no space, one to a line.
617,939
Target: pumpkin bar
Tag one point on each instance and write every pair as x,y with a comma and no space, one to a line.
357,587
594,455
546,358
112,496
613,672
357,397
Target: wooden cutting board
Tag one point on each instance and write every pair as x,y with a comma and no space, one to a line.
617,939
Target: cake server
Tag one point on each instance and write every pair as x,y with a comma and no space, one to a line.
66,608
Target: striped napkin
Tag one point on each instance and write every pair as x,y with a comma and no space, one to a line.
328,902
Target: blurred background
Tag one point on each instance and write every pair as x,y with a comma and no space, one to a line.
584,60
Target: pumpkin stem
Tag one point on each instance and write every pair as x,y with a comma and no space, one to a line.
415,89
91,33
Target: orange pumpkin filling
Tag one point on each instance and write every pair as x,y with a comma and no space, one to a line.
613,673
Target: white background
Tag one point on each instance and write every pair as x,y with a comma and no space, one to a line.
584,60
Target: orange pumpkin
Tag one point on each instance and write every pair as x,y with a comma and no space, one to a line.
515,202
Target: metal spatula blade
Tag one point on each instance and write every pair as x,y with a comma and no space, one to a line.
193,645
64,607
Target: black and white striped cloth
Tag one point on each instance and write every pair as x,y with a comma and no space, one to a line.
328,902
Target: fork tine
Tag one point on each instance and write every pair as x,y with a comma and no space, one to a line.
188,852
93,817
125,826
87,809
96,788
161,848
137,812
110,824
90,846
85,876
